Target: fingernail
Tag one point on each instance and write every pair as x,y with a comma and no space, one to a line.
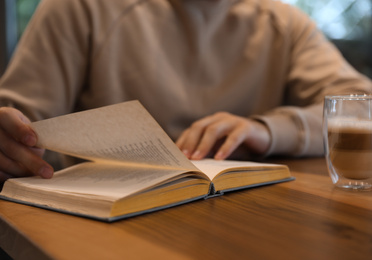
219,156
46,172
29,140
186,152
195,155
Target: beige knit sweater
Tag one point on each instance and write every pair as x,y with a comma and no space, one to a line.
183,59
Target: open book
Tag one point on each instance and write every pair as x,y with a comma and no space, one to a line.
133,167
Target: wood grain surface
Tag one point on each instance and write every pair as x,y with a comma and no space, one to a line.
303,219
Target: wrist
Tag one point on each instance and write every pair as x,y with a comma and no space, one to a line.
260,138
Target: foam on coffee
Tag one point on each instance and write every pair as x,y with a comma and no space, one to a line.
350,124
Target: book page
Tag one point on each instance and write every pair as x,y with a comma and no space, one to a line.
124,132
213,167
108,182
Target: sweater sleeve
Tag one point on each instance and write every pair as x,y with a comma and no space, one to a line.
49,66
316,69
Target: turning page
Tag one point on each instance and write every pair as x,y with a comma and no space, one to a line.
124,132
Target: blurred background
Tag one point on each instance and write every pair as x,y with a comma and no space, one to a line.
347,23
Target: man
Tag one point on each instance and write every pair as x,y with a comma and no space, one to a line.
217,75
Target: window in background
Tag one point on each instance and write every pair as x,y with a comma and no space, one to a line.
25,9
347,23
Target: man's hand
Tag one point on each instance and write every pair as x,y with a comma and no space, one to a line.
198,140
18,155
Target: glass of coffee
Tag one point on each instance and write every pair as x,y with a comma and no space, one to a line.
347,133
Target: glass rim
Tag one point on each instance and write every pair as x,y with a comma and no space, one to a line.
349,97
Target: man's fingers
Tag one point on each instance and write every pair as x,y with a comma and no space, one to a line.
200,139
22,156
181,143
211,135
18,154
14,123
190,138
12,168
232,142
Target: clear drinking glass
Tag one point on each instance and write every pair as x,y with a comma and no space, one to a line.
347,133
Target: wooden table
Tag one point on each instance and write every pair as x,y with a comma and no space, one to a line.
304,219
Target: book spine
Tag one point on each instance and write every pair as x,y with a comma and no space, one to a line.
212,192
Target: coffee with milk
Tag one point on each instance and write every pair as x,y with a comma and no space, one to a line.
350,147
